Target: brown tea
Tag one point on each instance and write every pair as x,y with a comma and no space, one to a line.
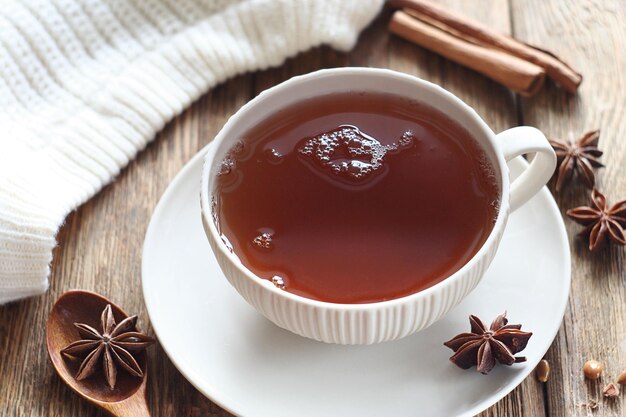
356,198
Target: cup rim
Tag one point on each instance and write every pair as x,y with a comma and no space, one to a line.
451,280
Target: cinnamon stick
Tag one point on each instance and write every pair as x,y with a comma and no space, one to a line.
518,74
465,27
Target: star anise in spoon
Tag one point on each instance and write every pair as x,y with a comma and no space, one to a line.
580,155
483,347
114,345
601,221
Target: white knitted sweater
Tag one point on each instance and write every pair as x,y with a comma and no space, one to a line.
85,84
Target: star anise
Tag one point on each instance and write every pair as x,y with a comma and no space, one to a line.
114,345
601,221
483,347
580,155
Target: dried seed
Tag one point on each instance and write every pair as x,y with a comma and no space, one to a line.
611,391
621,379
593,369
543,370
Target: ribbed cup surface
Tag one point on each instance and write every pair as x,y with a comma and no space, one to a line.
355,324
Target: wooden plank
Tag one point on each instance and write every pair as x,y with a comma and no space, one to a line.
591,35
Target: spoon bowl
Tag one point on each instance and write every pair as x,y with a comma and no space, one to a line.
128,398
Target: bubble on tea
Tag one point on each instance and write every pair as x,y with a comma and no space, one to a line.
214,212
349,153
229,163
238,148
279,282
227,166
227,243
489,174
355,169
496,208
487,169
274,156
264,241
406,140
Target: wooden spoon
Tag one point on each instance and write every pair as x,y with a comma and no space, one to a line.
128,398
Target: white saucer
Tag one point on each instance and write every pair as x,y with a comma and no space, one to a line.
252,368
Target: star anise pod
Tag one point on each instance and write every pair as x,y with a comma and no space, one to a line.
484,346
601,221
580,155
114,345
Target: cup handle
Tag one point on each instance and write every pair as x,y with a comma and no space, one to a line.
522,140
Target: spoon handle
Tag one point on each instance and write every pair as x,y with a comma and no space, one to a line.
133,406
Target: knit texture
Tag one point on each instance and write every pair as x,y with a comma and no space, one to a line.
86,84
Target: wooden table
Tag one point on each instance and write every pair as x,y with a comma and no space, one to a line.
100,244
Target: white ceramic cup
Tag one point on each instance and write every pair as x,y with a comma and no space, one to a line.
397,318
